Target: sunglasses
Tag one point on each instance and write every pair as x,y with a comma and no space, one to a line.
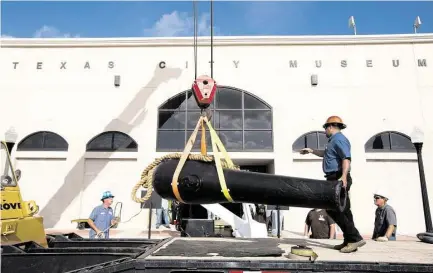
378,197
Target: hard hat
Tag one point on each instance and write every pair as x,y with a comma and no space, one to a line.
106,194
381,193
334,120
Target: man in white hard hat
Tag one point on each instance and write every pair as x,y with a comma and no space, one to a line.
385,224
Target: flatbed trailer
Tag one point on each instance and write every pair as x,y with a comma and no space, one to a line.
72,254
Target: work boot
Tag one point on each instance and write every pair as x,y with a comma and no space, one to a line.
340,246
352,247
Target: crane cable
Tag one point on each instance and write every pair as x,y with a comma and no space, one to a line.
195,43
147,173
211,39
194,8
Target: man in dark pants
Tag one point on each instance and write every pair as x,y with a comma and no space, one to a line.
336,166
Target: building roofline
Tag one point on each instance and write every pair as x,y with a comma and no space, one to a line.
218,41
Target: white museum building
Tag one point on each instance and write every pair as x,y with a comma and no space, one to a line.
91,114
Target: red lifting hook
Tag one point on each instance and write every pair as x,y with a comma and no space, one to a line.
204,89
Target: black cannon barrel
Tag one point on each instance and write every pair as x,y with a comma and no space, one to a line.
199,184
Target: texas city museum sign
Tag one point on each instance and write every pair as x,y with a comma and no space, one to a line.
63,65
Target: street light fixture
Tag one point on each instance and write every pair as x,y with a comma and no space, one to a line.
352,24
416,24
11,137
417,139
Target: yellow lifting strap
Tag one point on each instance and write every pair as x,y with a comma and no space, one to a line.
304,251
203,147
217,147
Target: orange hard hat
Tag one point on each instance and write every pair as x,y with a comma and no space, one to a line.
335,120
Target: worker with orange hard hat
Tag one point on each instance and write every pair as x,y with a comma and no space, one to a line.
336,166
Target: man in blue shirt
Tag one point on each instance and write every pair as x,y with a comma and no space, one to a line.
102,218
336,166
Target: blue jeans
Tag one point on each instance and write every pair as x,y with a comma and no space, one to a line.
160,213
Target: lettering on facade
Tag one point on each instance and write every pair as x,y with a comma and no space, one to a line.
63,65
8,206
422,62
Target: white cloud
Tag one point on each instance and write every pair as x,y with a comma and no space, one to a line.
52,32
6,36
180,24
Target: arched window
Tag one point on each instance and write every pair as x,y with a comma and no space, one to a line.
43,141
388,142
314,140
112,141
242,121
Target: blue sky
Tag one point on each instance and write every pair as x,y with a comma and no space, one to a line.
163,18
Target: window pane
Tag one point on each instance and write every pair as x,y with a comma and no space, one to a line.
171,120
228,119
192,119
197,143
258,140
228,99
54,142
251,102
399,142
311,140
299,144
176,103
123,142
323,140
379,142
258,119
171,140
32,142
232,140
101,143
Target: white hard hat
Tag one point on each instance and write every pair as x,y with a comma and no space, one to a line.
381,193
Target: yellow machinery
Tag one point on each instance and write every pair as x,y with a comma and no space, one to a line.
19,222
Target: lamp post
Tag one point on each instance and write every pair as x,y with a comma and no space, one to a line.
11,137
417,139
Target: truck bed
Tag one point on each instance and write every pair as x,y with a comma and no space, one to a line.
274,254
70,253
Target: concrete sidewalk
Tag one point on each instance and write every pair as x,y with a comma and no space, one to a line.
163,232
298,235
160,233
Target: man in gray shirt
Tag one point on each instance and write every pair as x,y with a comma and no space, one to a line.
102,218
385,224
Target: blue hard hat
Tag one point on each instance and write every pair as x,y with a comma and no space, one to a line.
106,194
